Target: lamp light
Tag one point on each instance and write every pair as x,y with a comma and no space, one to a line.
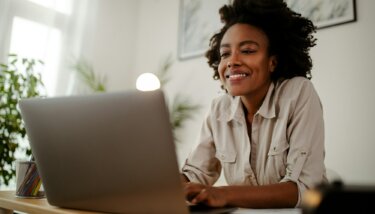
147,82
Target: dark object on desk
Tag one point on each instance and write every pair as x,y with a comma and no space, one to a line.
339,198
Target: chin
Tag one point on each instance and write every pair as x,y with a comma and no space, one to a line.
237,90
235,93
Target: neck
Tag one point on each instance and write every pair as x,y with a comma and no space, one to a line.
252,102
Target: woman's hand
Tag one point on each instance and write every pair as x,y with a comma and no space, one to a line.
208,195
280,195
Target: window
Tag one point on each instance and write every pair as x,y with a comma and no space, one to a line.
45,30
34,40
36,29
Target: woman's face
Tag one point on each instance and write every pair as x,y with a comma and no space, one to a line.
245,66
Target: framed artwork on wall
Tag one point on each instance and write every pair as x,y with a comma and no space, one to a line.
198,21
325,13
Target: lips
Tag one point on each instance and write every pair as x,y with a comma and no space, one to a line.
236,75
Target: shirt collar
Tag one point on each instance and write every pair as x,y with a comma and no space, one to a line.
266,110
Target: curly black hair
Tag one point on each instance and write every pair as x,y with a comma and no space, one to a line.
290,35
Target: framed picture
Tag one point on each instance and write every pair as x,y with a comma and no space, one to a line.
198,21
325,13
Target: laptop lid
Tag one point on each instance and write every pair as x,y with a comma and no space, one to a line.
108,152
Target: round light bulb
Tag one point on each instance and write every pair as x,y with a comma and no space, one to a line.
147,82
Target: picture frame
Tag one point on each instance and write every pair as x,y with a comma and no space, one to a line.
325,13
198,21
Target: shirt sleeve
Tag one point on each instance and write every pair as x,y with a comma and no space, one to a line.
202,166
305,161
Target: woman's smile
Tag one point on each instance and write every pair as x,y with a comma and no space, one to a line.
236,78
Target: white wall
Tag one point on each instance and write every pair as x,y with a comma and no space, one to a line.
158,38
343,75
109,43
134,38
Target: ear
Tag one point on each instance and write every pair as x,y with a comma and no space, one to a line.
272,63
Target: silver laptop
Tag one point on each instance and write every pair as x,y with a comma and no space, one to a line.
109,152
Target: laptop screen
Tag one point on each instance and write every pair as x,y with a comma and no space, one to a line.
110,152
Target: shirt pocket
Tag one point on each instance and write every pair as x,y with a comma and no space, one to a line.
226,156
277,161
228,163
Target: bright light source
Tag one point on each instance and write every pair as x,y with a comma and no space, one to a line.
147,82
34,40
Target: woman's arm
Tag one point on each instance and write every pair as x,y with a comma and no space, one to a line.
278,195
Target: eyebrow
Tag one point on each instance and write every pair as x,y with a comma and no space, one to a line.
246,42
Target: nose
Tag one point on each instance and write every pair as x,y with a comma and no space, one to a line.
233,61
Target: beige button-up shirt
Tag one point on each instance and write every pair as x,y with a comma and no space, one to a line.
286,141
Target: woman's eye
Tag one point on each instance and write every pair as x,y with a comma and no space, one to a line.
248,51
224,54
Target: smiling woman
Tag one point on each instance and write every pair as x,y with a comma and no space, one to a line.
267,132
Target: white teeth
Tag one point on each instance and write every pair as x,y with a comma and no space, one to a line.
236,76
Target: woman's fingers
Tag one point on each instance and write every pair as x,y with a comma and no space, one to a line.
192,190
201,196
199,193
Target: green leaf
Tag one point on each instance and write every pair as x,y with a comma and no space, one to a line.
163,71
89,77
13,62
17,80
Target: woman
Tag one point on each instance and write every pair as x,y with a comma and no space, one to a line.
267,132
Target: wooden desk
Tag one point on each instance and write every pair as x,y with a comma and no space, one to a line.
9,202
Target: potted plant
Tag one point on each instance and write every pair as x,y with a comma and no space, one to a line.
18,79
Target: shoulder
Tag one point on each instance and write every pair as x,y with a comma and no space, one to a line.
296,87
294,83
224,106
222,102
297,91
